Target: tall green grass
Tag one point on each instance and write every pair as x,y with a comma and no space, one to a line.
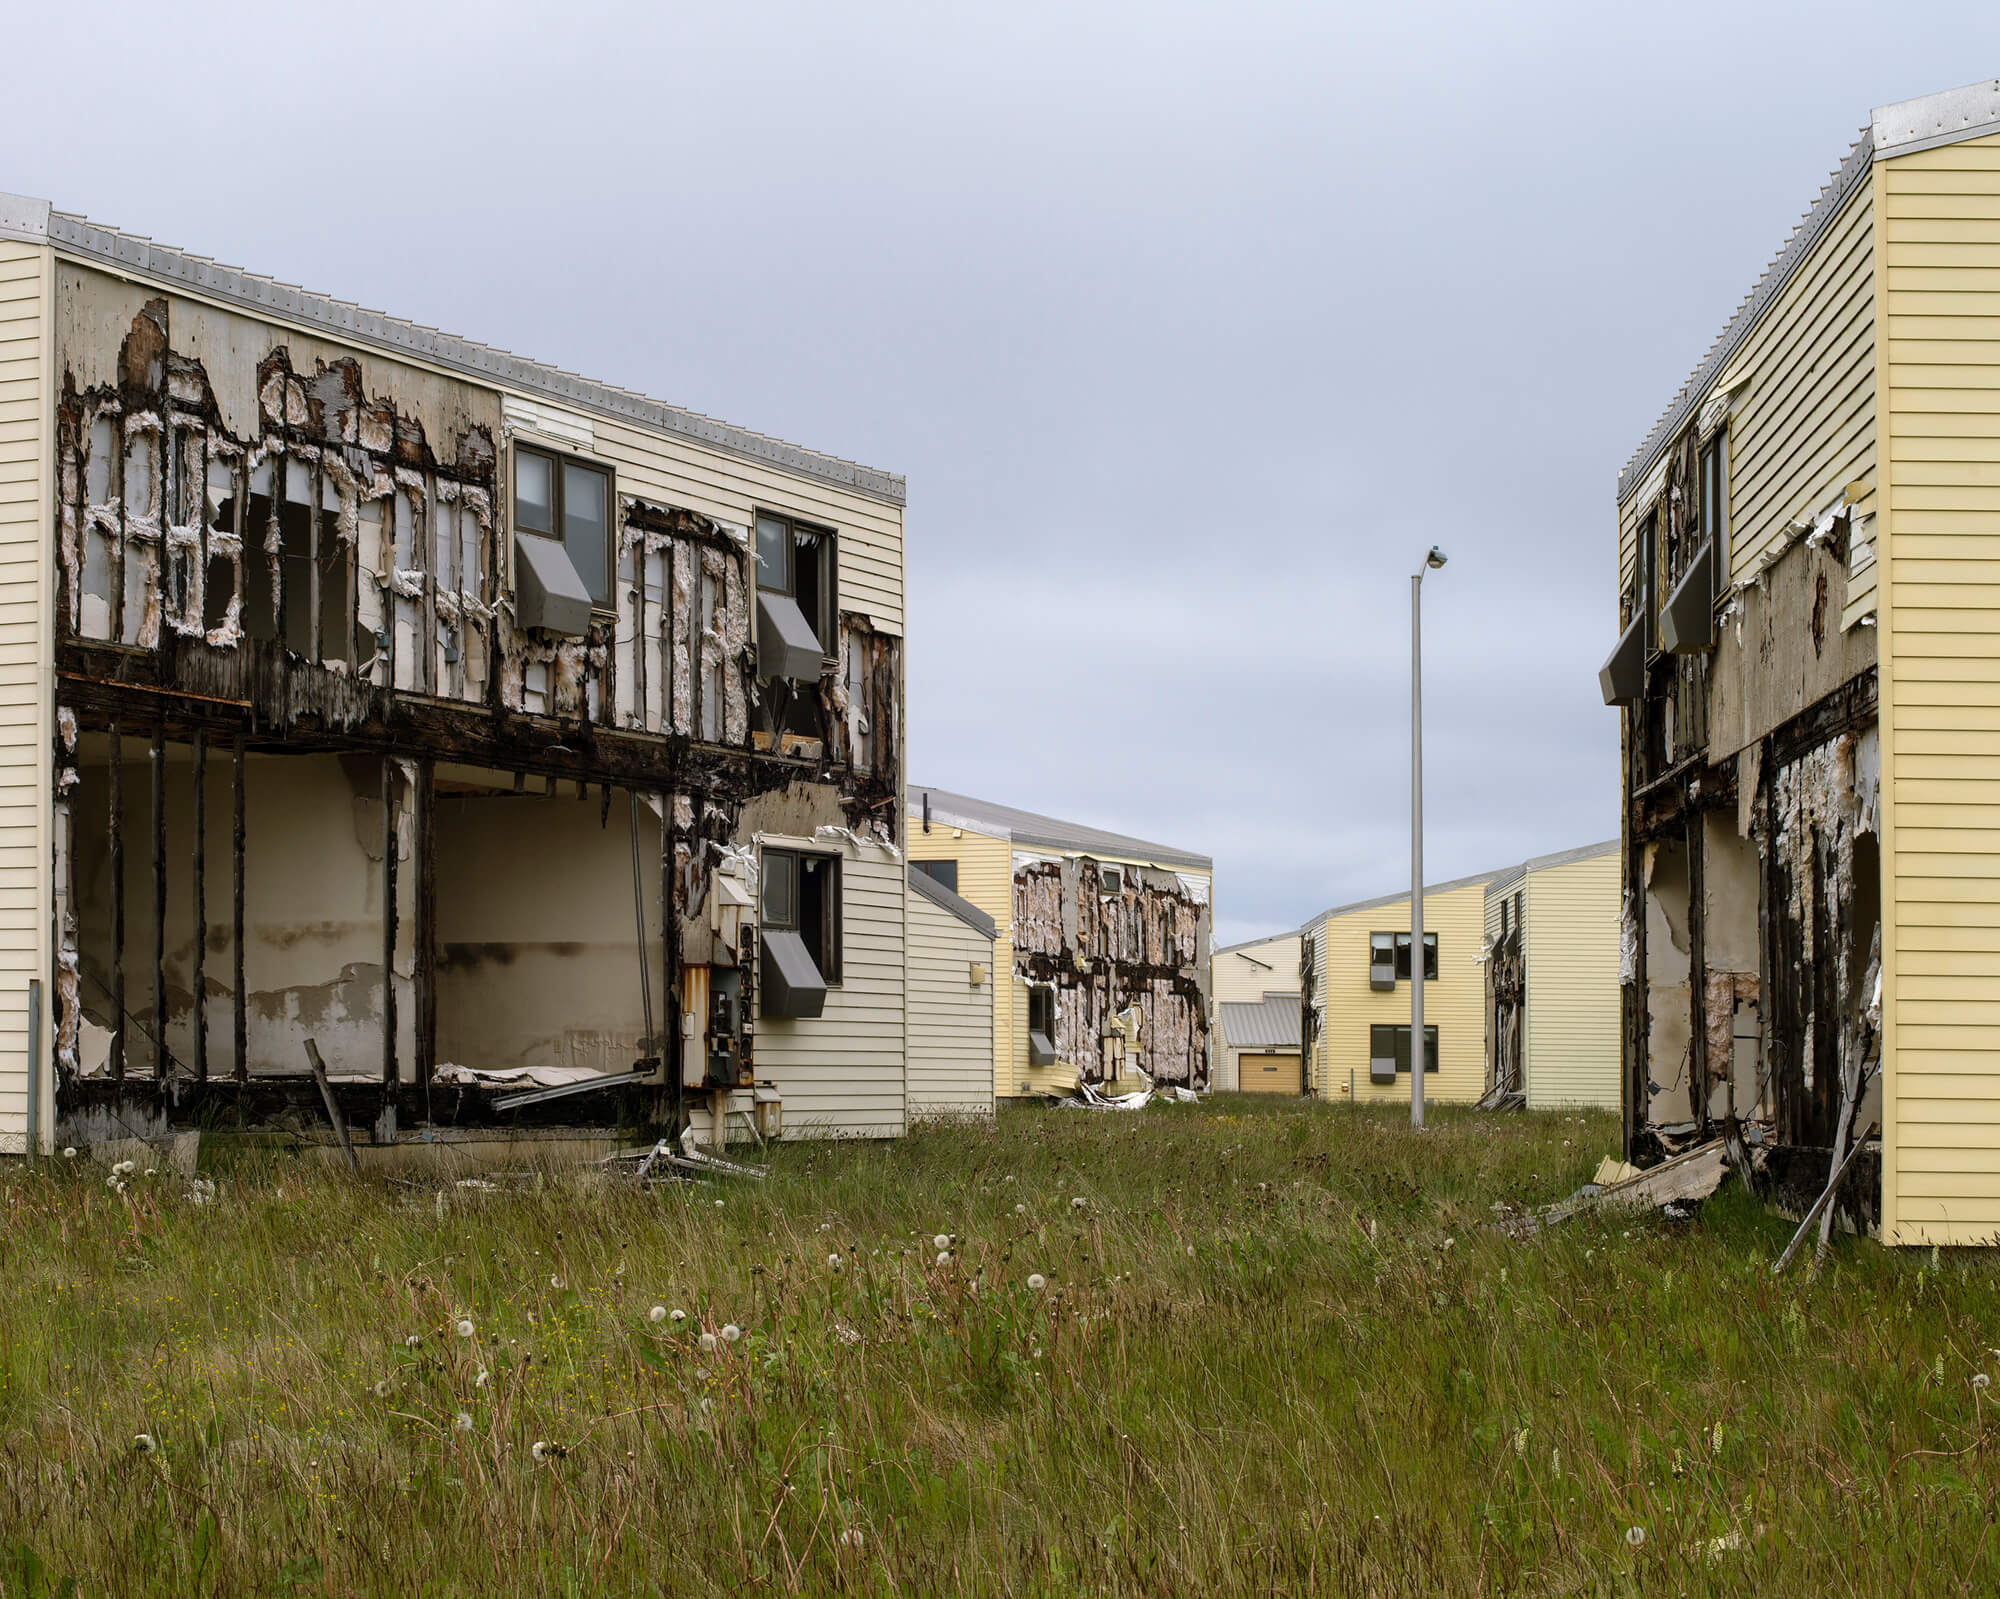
1277,1350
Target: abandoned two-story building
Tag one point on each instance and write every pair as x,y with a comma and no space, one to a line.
1809,682
528,748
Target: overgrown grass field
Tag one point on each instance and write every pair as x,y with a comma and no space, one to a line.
1227,1349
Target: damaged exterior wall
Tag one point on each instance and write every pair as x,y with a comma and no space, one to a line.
294,698
1147,945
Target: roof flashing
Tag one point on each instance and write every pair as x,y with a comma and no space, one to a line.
1930,120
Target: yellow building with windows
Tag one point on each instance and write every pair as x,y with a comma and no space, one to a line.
1101,942
1361,970
1808,681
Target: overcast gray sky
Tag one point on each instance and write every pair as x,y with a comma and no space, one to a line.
1192,327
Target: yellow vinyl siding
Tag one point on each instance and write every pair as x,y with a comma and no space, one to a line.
841,1074
985,880
1570,915
1939,555
1454,1002
27,403
951,1019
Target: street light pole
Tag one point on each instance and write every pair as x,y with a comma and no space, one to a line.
1431,561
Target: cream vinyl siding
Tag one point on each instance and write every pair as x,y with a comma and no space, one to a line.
1454,1003
985,879
1805,425
1570,938
27,404
1939,281
667,470
951,1021
841,1074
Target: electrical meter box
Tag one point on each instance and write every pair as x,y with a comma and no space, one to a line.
725,1028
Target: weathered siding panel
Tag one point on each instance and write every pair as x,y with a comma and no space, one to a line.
1939,280
1454,1001
985,879
1571,916
951,1018
27,405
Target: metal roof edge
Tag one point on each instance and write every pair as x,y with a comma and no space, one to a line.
136,256
931,889
1833,197
987,818
1456,883
24,219
1545,863
1252,943
1930,120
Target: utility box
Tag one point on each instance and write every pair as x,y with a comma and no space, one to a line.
726,1067
768,1108
1381,1070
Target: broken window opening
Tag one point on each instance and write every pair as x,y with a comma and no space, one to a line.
1715,506
797,560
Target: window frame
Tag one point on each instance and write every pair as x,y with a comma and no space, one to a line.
929,869
1400,1036
1045,995
825,625
1400,954
831,955
1712,472
558,459
1649,577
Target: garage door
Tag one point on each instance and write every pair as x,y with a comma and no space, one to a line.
1268,1074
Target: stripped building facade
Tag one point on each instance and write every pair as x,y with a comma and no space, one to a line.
531,747
1809,681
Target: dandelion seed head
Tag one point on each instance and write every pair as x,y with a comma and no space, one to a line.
69,1152
464,1328
539,1450
657,1314
555,1282
707,1342
1020,1210
143,1442
853,1538
833,1261
677,1315
1982,1381
1077,1203
483,1378
382,1389
462,1422
731,1333
1635,1536
1037,1281
944,1257
941,1242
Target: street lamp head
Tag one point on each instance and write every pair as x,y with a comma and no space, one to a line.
1435,558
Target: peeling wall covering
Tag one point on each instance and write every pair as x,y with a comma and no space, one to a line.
1144,945
287,648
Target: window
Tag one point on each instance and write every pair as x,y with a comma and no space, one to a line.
1649,596
1715,506
1379,946
1111,880
802,896
1041,1025
944,873
797,560
568,501
1387,1041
